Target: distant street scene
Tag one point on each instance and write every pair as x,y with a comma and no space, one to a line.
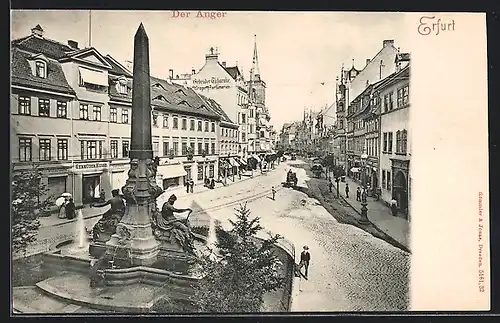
152,179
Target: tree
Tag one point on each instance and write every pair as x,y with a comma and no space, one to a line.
244,270
27,189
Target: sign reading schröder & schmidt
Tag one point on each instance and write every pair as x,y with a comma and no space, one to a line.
213,83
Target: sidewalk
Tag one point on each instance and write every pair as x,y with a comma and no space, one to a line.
379,214
180,191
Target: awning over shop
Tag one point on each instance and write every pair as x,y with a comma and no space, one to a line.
93,77
234,162
242,161
172,171
354,170
256,158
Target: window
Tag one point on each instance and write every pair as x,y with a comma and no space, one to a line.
184,124
383,179
40,69
200,148
206,148
206,126
385,142
125,148
156,149
262,135
124,115
243,118
398,141
84,111
389,181
175,125
166,148
176,148
165,121
43,107
191,145
155,119
199,126
122,88
184,148
24,105
341,124
25,149
406,95
211,170
96,113
213,126
113,148
389,149
400,98
403,141
391,105
93,151
200,172
212,147
44,149
243,137
191,125
62,110
62,149
113,115
251,128
251,113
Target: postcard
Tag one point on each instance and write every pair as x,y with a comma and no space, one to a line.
244,162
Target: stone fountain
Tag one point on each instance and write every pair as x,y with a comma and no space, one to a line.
133,263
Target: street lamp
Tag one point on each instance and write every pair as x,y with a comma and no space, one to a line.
364,158
364,210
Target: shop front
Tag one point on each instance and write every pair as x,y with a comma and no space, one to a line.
172,175
90,179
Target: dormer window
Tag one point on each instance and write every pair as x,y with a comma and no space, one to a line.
184,103
122,88
41,69
180,91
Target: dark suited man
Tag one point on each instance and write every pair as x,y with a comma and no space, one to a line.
305,258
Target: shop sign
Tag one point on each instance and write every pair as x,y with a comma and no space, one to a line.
90,166
213,83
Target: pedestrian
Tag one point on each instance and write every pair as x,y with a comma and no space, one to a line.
305,258
102,196
347,190
330,185
70,209
273,191
394,206
239,173
62,209
358,194
191,184
187,186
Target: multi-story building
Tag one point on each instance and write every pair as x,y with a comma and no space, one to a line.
226,86
71,114
395,133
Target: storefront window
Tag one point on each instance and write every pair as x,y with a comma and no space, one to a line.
200,172
211,170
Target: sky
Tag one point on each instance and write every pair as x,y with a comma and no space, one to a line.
300,54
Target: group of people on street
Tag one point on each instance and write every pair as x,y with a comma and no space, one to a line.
189,185
67,210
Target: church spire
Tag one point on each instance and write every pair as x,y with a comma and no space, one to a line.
255,62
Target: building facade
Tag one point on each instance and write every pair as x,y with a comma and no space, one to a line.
71,112
394,136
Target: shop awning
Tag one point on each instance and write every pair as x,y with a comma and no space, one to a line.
93,77
234,162
242,161
172,171
256,158
354,170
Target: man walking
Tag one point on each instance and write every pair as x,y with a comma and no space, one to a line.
305,258
358,194
330,185
273,191
394,207
347,190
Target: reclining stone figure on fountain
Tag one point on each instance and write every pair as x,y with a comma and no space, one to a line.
168,228
106,226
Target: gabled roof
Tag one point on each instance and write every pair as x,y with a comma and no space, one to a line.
216,108
82,53
116,67
48,47
234,71
22,74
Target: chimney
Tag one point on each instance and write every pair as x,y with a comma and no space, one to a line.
193,71
388,42
37,31
367,61
170,74
212,55
73,44
224,64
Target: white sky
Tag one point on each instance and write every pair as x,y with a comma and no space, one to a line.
297,51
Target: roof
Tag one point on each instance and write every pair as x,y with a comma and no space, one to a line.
48,47
216,108
22,74
116,67
234,71
396,76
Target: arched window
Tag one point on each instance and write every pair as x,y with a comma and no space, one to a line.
41,69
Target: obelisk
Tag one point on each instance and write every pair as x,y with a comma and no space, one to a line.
134,234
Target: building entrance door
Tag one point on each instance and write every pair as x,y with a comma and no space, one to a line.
91,187
401,191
